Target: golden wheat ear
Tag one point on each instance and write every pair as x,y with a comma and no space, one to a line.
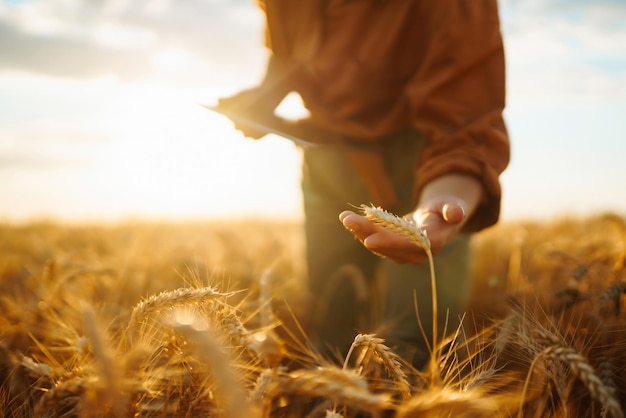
390,360
401,226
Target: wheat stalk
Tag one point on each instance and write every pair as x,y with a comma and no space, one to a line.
266,342
415,234
103,355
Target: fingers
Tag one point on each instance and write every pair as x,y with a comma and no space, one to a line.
239,105
344,214
358,225
453,212
240,102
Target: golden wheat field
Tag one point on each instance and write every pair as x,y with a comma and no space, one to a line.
200,320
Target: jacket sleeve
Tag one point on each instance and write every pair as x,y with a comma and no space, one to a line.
457,98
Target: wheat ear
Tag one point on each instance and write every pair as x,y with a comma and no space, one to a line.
206,346
399,225
73,387
169,299
579,365
587,374
389,359
331,383
448,402
418,237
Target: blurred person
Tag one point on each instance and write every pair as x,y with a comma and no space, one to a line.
411,95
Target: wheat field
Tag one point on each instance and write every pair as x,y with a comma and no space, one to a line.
201,320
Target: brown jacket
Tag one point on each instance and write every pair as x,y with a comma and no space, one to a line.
366,68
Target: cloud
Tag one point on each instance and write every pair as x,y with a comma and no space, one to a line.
599,25
67,57
597,10
565,53
124,38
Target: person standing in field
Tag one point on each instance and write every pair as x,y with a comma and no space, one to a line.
412,93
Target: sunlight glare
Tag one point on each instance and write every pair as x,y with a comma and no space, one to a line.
172,59
169,157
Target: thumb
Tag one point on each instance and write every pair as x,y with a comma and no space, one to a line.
453,212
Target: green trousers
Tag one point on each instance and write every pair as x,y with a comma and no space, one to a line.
354,291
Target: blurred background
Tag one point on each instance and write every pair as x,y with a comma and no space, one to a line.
100,117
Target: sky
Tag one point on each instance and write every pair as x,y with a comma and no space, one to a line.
100,116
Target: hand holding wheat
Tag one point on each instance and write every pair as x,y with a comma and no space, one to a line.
439,221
